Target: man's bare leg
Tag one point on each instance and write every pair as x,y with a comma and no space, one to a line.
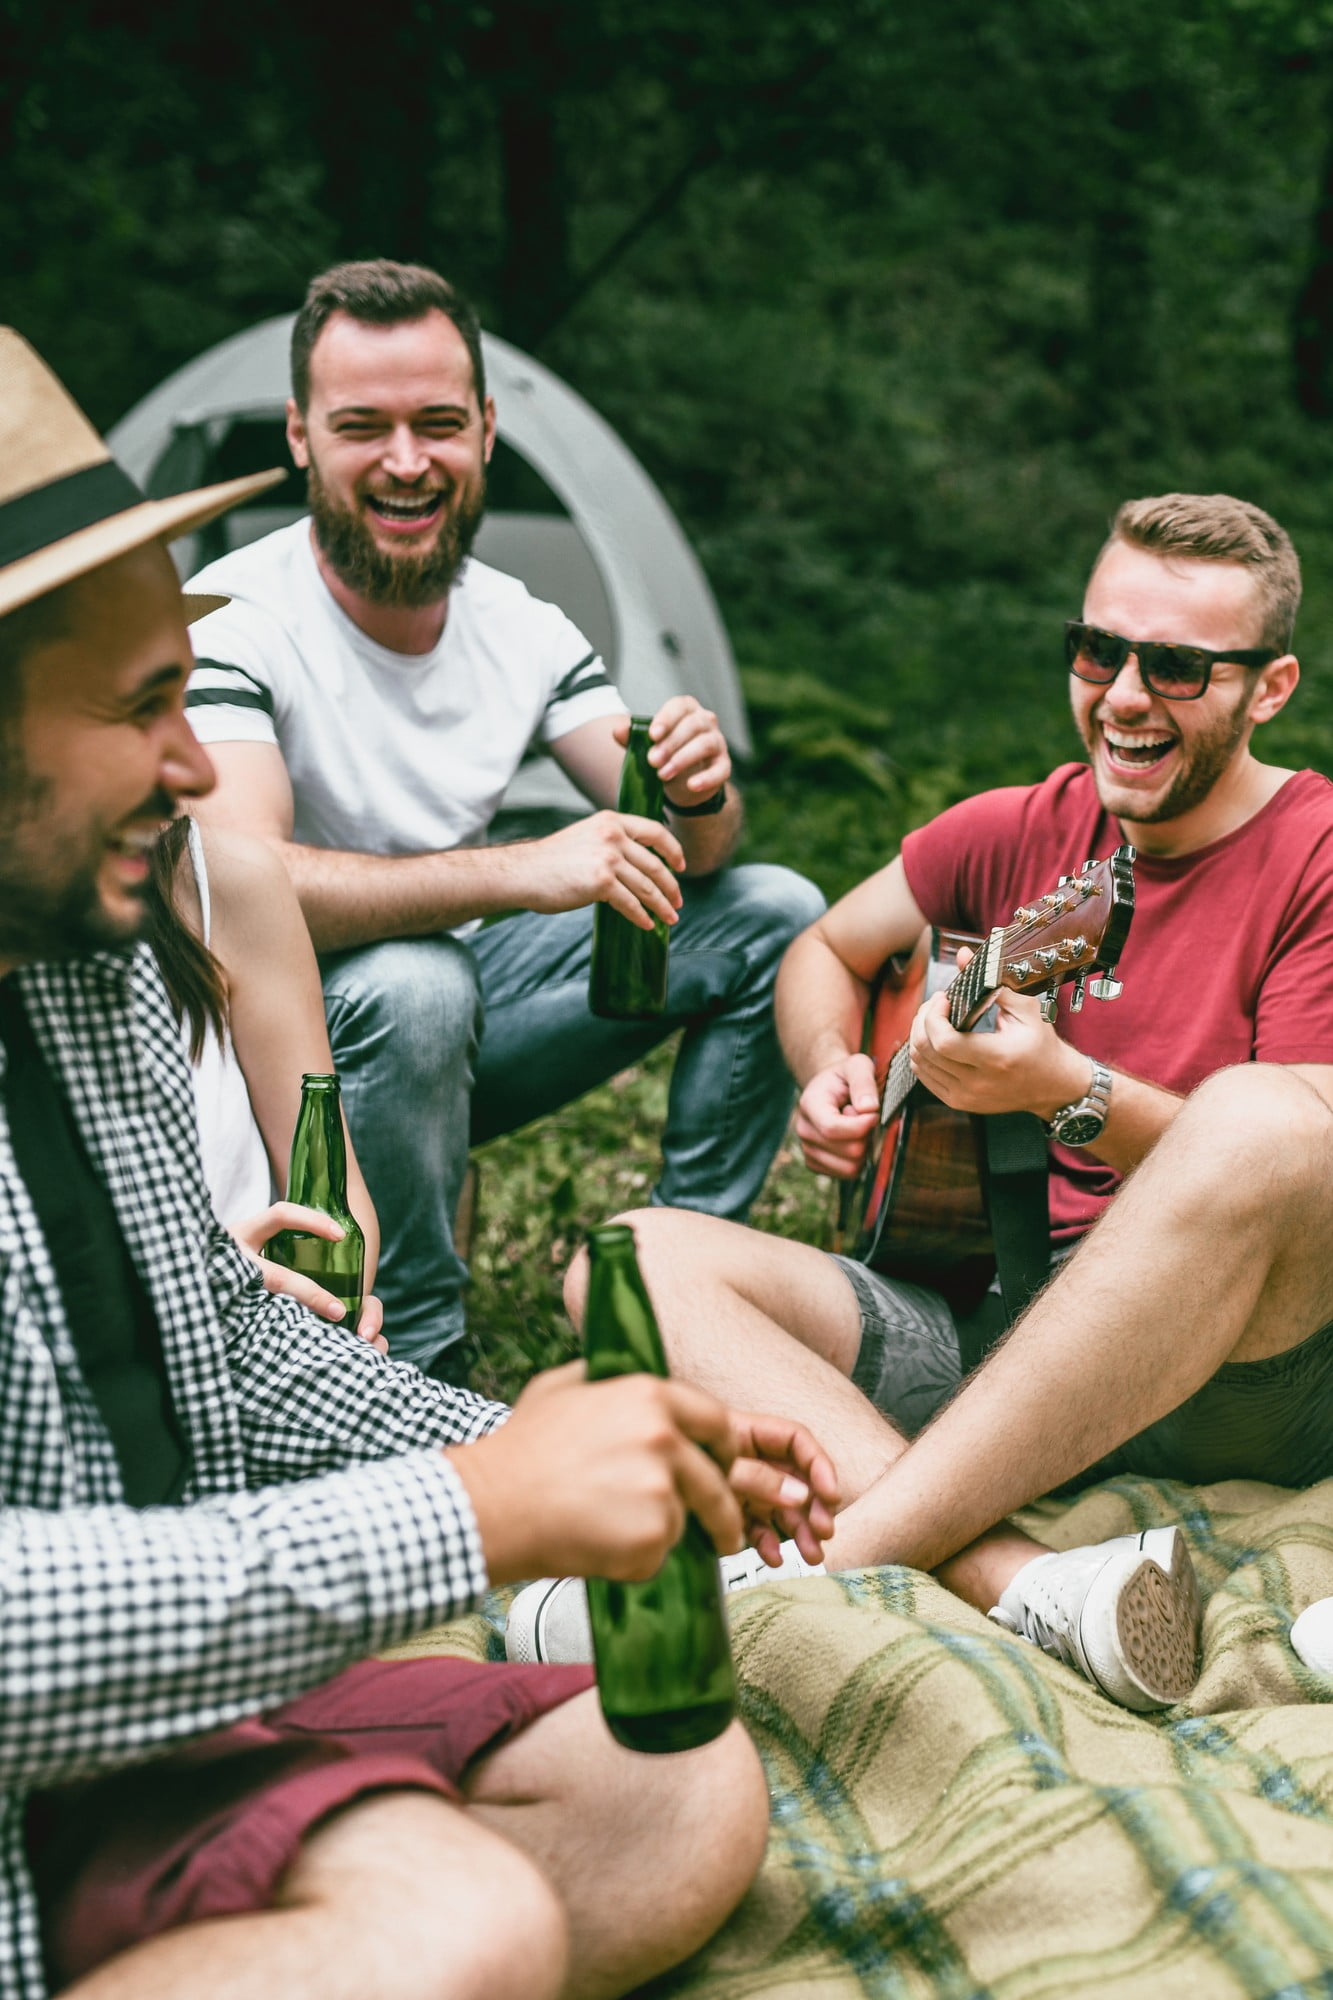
401,1896
649,1855
577,1869
765,1323
1217,1249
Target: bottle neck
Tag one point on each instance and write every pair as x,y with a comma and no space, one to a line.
620,1332
318,1174
640,787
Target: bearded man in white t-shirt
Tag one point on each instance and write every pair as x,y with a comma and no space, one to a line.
366,697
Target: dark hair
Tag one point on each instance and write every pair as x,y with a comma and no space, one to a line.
195,982
380,293
34,624
38,623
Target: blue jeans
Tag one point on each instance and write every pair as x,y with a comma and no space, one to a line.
422,1081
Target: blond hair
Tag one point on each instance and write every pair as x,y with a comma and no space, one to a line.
1213,527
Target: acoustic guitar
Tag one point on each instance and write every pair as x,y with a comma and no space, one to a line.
917,1208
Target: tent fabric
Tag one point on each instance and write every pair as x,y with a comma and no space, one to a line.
620,565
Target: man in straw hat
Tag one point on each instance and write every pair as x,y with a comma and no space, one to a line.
216,1507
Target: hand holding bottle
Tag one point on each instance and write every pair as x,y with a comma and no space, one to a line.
254,1231
688,750
596,1478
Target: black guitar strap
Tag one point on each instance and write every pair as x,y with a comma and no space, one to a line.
1016,1169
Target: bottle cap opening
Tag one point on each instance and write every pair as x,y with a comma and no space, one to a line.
610,1235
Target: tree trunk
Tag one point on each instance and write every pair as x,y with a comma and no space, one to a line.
1312,319
1119,344
373,125
522,60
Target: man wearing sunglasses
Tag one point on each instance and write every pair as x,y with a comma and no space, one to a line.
1190,1339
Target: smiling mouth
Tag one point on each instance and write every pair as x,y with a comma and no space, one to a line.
1135,750
405,513
136,843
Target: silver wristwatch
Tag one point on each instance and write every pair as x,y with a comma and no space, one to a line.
1078,1124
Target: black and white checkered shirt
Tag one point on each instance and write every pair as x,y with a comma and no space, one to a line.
321,1520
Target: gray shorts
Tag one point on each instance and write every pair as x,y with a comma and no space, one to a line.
1270,1420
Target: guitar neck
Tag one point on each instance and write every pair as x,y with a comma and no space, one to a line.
1079,925
969,995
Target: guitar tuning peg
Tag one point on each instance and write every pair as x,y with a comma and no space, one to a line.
1050,1002
1088,865
1064,881
1106,988
1076,997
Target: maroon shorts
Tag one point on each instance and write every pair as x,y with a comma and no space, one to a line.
210,1830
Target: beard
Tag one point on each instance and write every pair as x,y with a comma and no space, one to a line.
1202,764
406,582
51,903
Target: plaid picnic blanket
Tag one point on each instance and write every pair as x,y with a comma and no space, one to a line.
956,1815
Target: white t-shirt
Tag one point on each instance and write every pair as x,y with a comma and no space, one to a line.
388,753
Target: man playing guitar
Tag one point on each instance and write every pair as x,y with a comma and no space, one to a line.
1190,1339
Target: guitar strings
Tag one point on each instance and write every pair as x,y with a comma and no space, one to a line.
968,987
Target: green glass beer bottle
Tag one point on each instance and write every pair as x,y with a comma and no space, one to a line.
628,981
317,1178
664,1668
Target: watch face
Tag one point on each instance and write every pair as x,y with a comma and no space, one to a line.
1081,1130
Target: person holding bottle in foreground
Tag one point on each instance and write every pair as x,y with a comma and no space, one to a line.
214,1508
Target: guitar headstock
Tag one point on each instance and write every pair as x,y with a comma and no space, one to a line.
1079,927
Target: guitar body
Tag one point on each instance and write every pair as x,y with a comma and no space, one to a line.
917,1209
922,1215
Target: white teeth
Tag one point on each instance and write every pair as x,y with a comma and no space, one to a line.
1124,739
138,843
407,510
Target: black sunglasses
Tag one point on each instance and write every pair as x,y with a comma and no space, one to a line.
1177,673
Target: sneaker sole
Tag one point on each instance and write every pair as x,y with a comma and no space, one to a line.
1157,1626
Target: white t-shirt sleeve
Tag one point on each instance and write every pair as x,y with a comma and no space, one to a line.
230,696
580,688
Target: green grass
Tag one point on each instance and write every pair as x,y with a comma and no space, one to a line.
542,1187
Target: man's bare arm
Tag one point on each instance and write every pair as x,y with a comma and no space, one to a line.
351,899
1026,1066
820,1002
825,976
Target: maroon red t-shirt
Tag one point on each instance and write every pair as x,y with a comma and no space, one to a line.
1230,954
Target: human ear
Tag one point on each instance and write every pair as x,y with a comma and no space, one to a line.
296,435
1274,688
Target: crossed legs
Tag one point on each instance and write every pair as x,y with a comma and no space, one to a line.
576,1869
1216,1250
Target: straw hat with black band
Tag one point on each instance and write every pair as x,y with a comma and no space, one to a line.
65,505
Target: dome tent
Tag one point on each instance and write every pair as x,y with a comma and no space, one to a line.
609,551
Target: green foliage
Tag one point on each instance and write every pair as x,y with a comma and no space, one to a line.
803,729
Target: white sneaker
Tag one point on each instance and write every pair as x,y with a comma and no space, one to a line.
747,1568
1125,1613
1312,1636
549,1620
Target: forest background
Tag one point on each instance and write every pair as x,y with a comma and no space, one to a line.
896,303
